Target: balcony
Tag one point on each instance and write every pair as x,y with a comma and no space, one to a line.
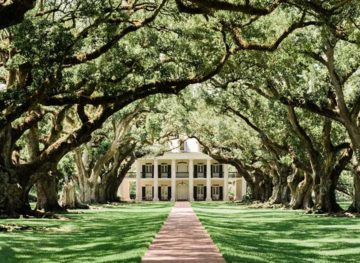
217,175
234,175
200,175
164,175
182,175
147,175
131,175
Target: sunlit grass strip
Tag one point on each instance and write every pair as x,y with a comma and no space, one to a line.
106,234
277,235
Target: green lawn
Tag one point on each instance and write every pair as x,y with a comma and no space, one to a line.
106,234
275,235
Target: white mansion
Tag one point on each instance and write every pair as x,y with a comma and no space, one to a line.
183,173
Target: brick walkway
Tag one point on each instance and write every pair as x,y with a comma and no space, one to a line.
183,239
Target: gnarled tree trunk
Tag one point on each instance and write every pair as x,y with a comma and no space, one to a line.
69,199
300,184
332,169
47,194
13,194
326,201
260,188
355,205
280,191
112,180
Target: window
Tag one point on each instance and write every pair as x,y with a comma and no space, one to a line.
200,168
148,168
216,190
216,168
164,168
200,190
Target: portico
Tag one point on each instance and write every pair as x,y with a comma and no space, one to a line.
181,176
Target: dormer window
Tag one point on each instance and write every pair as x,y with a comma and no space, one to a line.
182,146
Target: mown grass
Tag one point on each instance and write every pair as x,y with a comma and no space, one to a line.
119,233
275,235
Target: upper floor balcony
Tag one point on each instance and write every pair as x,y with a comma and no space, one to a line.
182,170
182,175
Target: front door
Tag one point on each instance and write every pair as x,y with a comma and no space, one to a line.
164,193
182,192
215,192
200,192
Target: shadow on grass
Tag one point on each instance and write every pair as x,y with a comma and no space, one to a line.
275,235
112,234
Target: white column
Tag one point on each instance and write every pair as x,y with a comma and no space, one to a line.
191,180
138,181
243,187
173,180
208,180
226,182
156,180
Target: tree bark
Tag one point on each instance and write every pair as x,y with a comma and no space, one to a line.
88,191
327,198
47,194
280,191
332,170
113,179
69,198
260,188
355,205
13,192
13,13
300,184
12,201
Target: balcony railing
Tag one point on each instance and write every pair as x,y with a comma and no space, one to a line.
200,175
147,175
185,175
164,175
131,175
234,175
217,175
182,175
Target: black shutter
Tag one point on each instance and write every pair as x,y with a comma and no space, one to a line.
152,171
152,192
169,192
143,171
195,193
205,192
195,171
221,193
159,193
205,167
212,192
212,171
159,171
143,193
169,171
221,171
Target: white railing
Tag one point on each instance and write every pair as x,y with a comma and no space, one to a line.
182,175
